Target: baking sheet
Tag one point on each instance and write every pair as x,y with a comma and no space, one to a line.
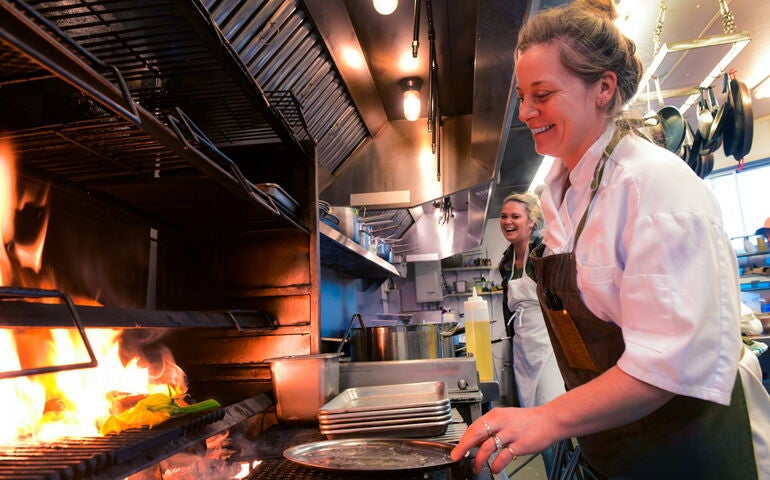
383,414
372,455
387,397
331,426
409,430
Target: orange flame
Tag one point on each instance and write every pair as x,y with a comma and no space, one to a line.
67,403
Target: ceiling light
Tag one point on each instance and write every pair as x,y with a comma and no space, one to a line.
762,89
411,87
385,7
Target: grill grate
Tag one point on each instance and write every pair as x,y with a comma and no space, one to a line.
167,52
120,455
81,457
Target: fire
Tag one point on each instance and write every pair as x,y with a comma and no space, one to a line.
66,403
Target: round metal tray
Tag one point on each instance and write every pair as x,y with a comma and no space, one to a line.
372,455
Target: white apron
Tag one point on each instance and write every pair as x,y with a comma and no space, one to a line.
536,372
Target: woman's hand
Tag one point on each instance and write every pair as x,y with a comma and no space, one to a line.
519,431
612,399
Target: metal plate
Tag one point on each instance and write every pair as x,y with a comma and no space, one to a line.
387,397
372,455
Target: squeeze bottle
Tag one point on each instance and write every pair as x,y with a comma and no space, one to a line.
477,335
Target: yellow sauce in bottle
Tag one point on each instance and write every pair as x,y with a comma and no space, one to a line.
477,336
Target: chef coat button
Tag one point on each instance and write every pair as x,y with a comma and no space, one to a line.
462,384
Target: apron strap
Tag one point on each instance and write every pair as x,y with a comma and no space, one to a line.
598,172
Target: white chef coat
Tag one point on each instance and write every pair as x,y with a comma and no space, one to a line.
537,375
654,259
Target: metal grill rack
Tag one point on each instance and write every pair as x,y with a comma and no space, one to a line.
119,455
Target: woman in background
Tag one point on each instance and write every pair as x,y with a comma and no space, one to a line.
536,373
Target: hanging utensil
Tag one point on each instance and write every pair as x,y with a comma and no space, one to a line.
692,160
742,133
723,117
714,139
673,127
684,151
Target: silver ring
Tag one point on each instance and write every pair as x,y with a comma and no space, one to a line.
489,430
513,455
498,443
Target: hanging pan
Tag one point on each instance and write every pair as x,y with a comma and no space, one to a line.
684,151
739,133
693,158
711,140
704,115
673,127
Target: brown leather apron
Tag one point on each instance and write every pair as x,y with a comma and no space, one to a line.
685,438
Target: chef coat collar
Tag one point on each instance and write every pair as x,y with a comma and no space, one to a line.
568,207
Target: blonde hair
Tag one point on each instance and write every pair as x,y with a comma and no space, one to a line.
589,43
532,203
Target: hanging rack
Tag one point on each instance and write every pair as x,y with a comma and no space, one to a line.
737,40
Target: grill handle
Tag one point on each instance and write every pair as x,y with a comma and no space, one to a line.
12,293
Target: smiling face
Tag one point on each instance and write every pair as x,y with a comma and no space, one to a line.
564,113
514,222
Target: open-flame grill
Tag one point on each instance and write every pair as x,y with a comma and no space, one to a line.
119,455
150,140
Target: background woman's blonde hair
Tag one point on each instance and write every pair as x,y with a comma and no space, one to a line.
589,43
532,203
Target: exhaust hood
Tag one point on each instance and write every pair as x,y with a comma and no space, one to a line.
298,52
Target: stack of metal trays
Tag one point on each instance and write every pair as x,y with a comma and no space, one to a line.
402,410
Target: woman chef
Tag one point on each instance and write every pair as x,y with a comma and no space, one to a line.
636,278
536,373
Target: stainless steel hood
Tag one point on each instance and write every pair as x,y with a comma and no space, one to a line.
299,53
474,42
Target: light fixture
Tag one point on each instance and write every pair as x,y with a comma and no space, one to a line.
762,89
411,87
385,7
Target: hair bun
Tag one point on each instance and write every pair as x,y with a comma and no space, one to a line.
605,8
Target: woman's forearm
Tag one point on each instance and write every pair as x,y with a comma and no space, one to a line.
611,400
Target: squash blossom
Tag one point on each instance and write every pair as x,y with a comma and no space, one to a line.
152,410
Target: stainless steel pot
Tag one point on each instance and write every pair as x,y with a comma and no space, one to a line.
386,340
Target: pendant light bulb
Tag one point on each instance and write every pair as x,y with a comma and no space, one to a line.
385,7
411,87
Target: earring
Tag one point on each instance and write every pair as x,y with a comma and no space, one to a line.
601,103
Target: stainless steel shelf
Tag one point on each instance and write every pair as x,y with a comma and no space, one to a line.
342,254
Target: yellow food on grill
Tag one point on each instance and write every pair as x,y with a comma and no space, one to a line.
152,410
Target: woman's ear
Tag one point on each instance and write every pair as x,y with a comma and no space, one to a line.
607,85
